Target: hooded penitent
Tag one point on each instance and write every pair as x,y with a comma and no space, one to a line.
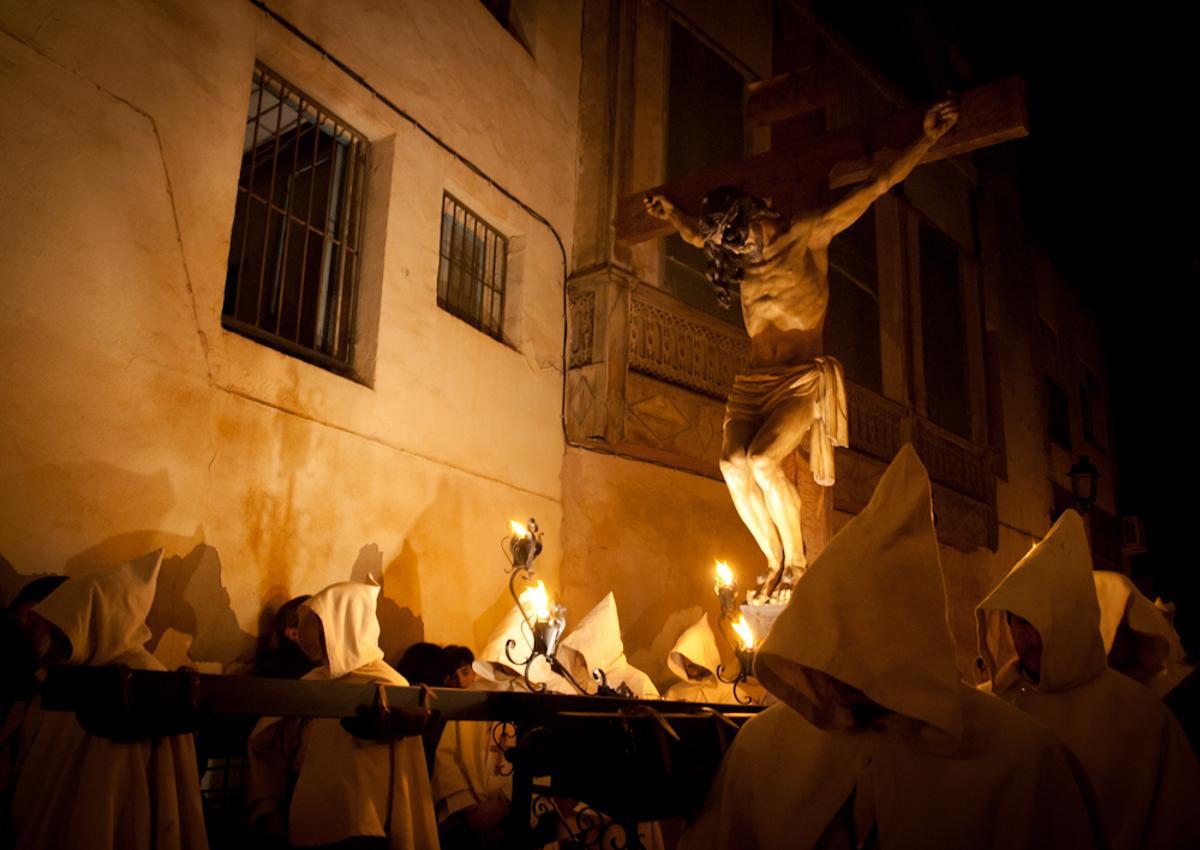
75,790
940,766
1141,770
347,787
698,645
1147,647
595,643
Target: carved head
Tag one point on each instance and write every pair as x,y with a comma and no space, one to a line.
731,224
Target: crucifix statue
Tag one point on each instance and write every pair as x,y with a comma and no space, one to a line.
791,390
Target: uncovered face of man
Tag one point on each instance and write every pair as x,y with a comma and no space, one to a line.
1028,642
310,636
694,671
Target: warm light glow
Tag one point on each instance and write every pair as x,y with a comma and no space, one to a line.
724,574
745,636
518,528
538,599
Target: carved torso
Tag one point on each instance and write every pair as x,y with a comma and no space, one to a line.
785,295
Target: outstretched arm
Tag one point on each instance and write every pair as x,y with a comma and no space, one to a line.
938,120
660,206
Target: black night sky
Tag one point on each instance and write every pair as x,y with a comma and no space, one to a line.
1109,178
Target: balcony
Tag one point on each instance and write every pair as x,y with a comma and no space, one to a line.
648,376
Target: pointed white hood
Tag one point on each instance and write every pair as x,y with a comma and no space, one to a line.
871,613
78,790
1140,769
1161,662
103,613
698,645
1052,588
350,626
595,643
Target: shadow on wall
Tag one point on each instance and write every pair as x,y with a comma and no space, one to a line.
191,621
399,625
192,601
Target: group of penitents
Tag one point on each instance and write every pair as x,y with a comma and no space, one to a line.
870,739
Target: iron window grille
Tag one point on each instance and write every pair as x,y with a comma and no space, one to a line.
294,257
472,269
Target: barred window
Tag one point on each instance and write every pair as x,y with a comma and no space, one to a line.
471,272
292,281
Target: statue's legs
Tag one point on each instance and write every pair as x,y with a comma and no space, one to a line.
748,497
779,436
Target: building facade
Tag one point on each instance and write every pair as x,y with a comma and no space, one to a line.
304,293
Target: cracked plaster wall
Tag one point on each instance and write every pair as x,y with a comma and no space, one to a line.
132,420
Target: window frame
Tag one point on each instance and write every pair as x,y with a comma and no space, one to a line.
499,239
351,195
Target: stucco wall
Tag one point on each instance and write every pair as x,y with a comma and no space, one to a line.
133,420
650,535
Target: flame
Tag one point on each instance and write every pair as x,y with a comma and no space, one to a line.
742,628
538,599
518,528
724,574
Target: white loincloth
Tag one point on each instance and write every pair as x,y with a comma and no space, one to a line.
758,393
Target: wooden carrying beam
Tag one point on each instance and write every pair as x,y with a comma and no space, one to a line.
798,92
70,688
803,175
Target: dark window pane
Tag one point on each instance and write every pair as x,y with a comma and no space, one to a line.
1058,411
705,126
943,335
852,331
290,282
1091,408
853,252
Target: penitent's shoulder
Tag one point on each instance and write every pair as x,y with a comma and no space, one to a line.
992,724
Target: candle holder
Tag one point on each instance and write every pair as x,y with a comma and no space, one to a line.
726,587
524,545
550,619
745,659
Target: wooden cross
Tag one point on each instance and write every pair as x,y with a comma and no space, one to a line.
803,176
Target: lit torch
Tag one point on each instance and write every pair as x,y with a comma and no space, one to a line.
525,544
549,619
745,636
745,654
726,588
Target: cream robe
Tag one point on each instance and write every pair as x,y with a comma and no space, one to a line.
946,768
493,665
595,642
469,767
698,645
347,787
1140,767
1162,662
75,790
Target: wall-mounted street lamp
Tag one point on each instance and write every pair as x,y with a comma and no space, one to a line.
1084,477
